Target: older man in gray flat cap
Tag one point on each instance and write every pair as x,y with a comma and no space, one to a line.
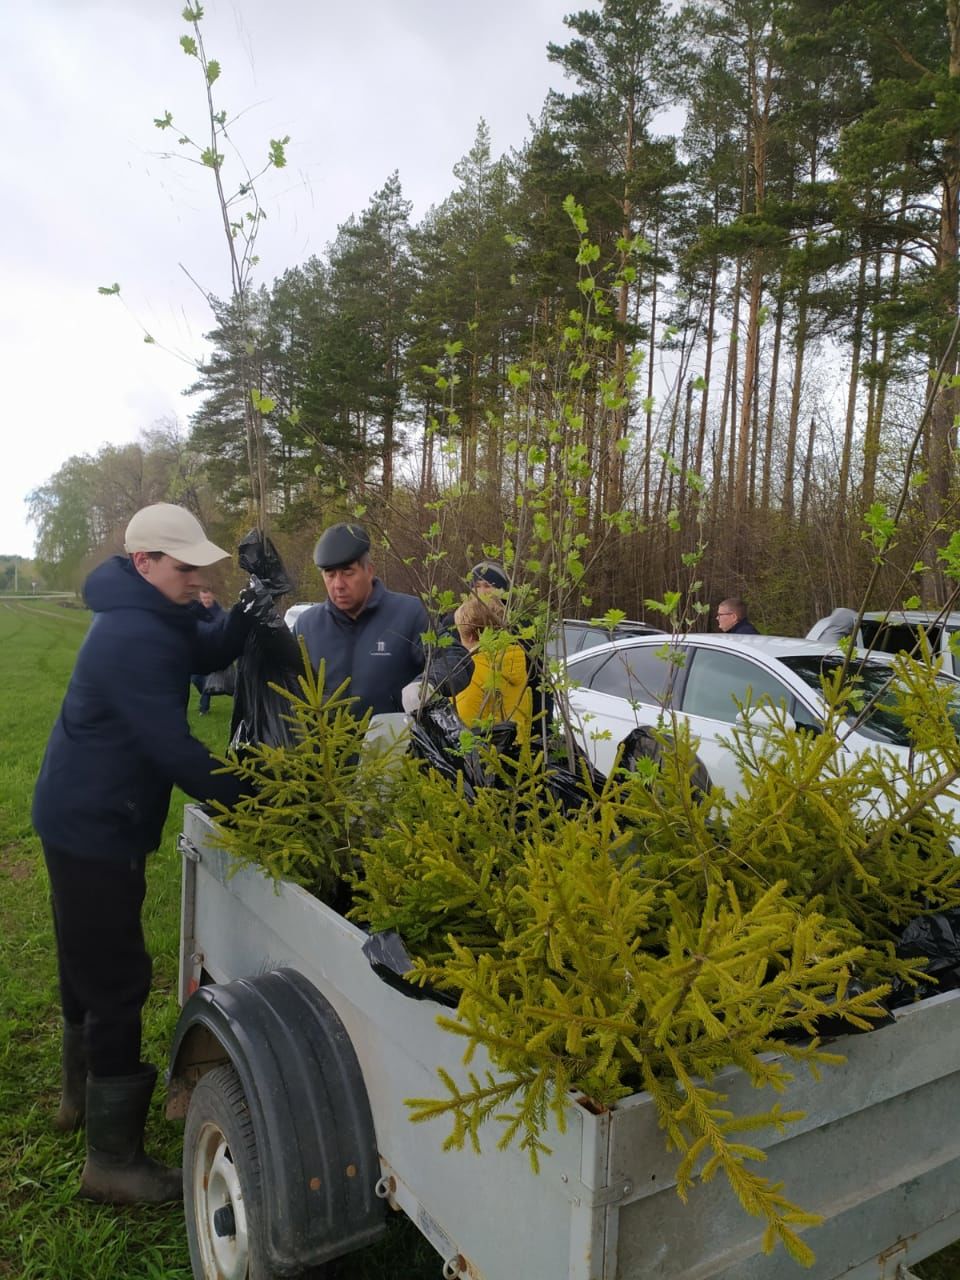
372,636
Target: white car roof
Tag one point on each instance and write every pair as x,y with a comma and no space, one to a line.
769,646
916,617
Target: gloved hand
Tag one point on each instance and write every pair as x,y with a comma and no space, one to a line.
256,601
415,695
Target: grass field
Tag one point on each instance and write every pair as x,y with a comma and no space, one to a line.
46,1234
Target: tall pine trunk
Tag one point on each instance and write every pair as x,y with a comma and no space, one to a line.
853,385
941,434
766,482
796,395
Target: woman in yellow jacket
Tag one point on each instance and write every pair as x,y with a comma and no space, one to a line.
499,689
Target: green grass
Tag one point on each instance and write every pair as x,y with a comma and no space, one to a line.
45,1233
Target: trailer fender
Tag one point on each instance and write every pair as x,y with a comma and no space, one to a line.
308,1105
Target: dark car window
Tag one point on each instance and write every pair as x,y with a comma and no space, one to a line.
638,673
873,713
898,637
576,637
580,638
903,637
718,683
579,634
583,670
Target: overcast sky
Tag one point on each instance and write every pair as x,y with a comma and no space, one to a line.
88,199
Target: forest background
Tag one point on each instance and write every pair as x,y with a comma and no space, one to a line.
784,277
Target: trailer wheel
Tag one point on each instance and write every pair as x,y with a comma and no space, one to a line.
222,1187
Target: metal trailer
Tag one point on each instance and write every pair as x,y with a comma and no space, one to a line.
292,1061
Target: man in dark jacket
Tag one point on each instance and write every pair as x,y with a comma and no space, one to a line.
732,618
372,636
119,745
208,609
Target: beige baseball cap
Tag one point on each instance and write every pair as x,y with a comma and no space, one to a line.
174,531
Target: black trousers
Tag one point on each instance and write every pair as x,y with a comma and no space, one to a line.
105,969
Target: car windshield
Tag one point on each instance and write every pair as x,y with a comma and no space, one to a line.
880,720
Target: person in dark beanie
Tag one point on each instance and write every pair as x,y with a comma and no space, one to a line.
488,576
119,745
374,637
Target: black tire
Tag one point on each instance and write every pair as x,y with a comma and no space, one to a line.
642,741
222,1187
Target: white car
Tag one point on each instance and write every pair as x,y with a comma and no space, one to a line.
614,688
295,610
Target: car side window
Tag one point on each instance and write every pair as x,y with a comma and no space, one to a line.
640,674
900,637
583,671
589,638
718,683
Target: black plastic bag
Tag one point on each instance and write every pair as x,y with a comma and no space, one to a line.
568,788
435,737
271,655
423,747
936,939
257,554
390,960
259,711
224,681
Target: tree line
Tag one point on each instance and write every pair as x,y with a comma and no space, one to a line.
781,281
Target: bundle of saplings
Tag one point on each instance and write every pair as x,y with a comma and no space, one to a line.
646,939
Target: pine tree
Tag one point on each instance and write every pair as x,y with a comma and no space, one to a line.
355,376
903,154
623,60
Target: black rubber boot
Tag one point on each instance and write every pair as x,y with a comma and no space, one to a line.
73,1080
117,1170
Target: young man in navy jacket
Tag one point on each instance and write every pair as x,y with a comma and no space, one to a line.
119,745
